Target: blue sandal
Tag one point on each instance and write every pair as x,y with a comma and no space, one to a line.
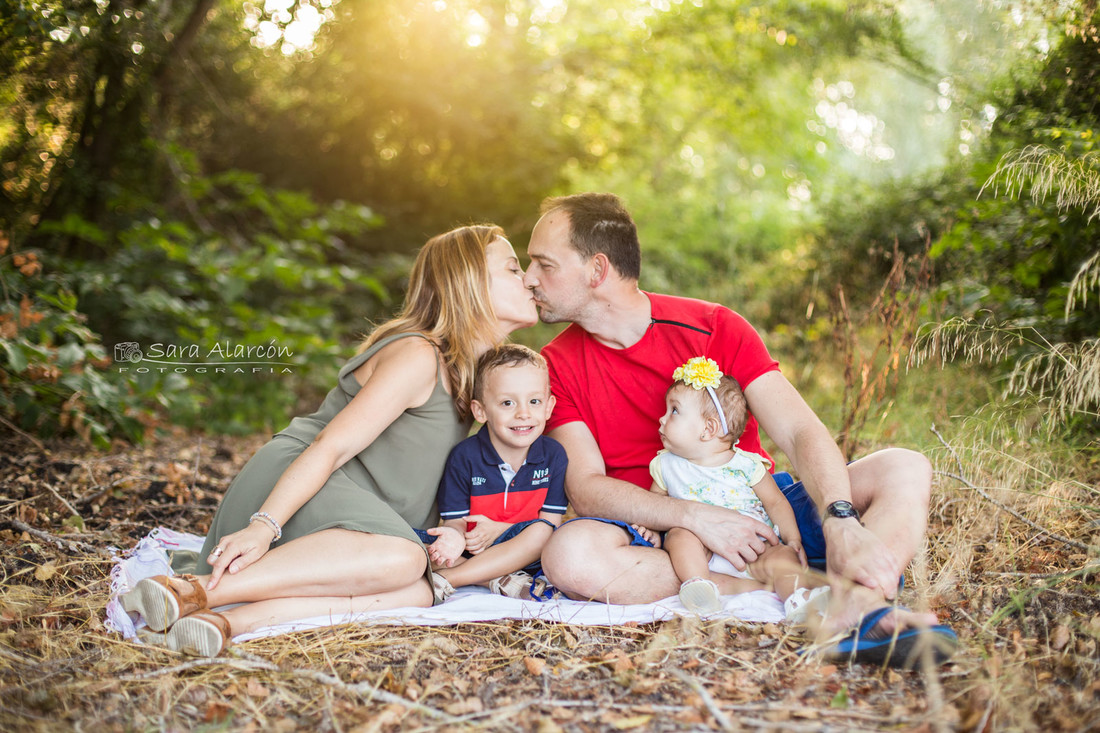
868,644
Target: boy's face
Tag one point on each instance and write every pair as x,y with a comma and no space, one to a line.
515,403
682,425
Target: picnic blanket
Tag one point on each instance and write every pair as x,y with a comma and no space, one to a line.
469,603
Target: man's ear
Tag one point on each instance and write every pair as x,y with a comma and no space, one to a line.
601,269
477,410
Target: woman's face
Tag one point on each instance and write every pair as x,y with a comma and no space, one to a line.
513,304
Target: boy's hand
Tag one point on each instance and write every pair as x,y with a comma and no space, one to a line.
484,533
447,547
651,536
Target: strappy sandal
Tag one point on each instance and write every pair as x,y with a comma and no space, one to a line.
202,634
162,601
513,585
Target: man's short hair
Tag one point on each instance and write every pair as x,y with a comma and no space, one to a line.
599,223
505,355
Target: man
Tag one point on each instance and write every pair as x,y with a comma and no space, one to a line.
609,371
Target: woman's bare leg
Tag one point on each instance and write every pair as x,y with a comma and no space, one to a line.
332,563
252,616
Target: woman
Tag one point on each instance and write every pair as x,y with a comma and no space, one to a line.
320,521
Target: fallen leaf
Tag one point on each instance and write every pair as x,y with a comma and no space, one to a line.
827,670
216,712
636,721
254,689
1060,637
45,572
469,705
534,665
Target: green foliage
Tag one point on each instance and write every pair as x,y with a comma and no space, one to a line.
53,370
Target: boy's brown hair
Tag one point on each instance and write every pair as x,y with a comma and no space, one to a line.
505,355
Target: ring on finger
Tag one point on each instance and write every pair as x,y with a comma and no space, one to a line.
217,552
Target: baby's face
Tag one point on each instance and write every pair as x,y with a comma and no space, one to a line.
682,425
516,403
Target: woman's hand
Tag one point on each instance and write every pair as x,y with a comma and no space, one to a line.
237,551
651,536
484,533
448,546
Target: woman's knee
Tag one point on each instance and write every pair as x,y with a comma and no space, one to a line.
394,558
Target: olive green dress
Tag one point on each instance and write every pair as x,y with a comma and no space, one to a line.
387,489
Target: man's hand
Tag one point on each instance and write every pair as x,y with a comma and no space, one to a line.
482,536
731,534
856,554
449,544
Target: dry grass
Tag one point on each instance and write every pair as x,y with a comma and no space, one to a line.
1024,603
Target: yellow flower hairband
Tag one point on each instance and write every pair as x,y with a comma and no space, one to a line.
699,372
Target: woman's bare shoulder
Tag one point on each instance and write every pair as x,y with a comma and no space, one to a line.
415,358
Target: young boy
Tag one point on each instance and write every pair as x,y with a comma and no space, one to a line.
503,489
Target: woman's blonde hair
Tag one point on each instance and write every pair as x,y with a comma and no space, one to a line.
448,301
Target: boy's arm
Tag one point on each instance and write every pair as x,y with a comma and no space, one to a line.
781,513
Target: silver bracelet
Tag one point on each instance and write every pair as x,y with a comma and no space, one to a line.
269,521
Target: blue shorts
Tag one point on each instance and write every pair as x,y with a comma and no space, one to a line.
508,534
805,513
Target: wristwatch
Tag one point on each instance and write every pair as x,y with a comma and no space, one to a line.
842,510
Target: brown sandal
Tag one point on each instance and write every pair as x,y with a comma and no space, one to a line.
162,601
201,634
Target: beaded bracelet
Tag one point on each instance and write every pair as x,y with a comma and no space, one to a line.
269,521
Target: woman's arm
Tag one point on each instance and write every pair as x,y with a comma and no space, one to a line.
402,375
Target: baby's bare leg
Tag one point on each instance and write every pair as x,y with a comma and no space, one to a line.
690,559
780,570
689,555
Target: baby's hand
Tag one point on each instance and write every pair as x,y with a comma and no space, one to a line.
651,536
796,545
447,547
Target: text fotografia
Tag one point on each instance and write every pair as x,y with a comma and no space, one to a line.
223,357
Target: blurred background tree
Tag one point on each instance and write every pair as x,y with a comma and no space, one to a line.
198,171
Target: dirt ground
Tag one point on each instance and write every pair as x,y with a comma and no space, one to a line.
1023,601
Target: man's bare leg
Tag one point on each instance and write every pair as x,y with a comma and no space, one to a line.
592,560
891,490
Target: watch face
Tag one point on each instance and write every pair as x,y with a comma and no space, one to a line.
842,510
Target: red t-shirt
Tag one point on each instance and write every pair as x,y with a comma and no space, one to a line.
620,393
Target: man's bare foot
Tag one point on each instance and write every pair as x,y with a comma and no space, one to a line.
850,605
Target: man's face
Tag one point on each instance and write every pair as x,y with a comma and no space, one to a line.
558,276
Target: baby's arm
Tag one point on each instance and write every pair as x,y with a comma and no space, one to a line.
781,513
449,542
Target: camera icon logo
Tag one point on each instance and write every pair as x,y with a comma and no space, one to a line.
128,351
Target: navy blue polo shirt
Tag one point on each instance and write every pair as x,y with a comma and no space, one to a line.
474,484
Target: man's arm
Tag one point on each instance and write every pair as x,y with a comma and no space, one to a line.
595,494
853,551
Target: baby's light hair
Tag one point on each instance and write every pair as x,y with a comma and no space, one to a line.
733,402
505,355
